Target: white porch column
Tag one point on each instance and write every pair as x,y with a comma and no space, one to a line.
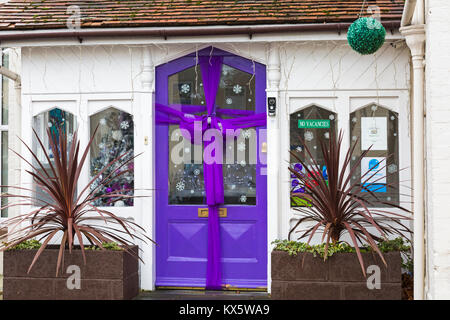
273,154
146,162
415,39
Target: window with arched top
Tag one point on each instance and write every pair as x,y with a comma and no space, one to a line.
375,128
114,138
309,126
55,119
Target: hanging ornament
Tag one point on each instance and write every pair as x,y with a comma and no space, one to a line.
117,135
119,203
366,35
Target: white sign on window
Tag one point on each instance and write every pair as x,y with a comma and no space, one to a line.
374,133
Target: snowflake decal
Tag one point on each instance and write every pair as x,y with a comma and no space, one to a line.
392,168
299,149
241,146
237,89
124,125
103,121
327,135
247,134
243,198
49,124
243,163
197,172
185,88
229,101
180,185
309,136
101,145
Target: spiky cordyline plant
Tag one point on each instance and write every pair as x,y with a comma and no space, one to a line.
60,210
340,206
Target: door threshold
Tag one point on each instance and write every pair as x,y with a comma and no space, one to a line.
225,288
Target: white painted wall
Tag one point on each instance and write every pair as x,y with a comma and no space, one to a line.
85,78
438,149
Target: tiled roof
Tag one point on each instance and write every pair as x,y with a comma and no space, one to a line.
52,14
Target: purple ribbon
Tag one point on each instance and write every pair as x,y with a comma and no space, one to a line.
212,172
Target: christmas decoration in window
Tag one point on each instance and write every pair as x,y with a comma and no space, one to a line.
114,137
54,120
376,127
309,126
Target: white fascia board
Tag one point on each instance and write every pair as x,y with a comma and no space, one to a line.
145,40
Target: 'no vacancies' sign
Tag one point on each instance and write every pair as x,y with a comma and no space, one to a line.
314,124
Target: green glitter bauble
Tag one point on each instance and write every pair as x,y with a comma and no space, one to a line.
366,35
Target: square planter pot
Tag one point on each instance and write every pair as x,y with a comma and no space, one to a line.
107,275
338,278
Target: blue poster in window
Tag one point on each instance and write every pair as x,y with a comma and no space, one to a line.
373,174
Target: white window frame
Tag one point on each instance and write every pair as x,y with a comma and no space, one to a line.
3,128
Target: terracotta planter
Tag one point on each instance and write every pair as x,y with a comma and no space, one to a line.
107,275
338,278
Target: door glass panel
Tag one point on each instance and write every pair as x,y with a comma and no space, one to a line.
186,184
377,127
239,176
186,87
114,137
312,136
236,89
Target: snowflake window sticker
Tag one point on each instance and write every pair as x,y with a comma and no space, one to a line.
185,88
392,168
197,172
247,134
241,146
243,198
229,101
124,125
180,185
237,89
309,136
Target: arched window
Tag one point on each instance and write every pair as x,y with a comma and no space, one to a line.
114,137
377,127
309,126
54,120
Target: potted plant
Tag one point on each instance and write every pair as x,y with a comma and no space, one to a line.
335,207
67,248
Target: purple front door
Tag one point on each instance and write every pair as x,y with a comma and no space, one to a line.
181,228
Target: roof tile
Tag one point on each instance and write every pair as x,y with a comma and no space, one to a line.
44,14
